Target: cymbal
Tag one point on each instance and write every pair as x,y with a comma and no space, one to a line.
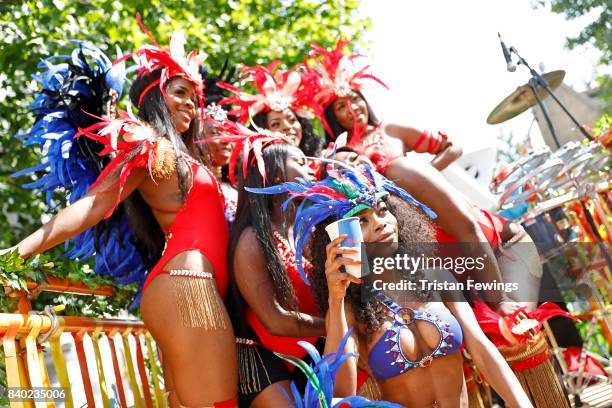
522,99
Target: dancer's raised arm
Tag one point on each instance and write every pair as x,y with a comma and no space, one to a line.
81,215
444,150
336,321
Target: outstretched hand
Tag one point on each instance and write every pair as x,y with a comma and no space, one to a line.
338,281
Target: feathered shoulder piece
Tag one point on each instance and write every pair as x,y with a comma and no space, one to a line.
77,89
277,90
344,193
172,61
248,145
332,73
131,143
319,392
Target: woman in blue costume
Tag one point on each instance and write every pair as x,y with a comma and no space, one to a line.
411,349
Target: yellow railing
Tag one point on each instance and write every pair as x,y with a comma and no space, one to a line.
25,337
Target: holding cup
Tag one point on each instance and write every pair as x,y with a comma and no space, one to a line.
352,229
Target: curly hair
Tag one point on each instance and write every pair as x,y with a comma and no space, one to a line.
414,229
310,143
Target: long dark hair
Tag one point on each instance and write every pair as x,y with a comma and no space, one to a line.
414,229
153,110
335,126
310,143
255,211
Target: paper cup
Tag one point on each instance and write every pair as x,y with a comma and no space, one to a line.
352,229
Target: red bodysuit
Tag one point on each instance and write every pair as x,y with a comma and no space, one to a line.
490,224
375,147
306,304
199,225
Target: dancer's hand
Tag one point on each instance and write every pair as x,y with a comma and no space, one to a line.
506,307
338,281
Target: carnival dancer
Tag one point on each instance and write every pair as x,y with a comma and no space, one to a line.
279,105
412,349
218,152
178,211
515,252
270,305
339,104
333,77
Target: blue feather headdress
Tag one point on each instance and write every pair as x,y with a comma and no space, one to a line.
321,377
344,193
77,89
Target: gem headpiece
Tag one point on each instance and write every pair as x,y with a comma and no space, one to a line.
277,90
332,74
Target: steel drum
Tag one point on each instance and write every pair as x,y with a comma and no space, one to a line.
536,170
582,164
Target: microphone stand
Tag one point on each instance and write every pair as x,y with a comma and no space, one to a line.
537,79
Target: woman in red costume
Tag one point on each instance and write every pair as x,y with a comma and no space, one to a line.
279,104
335,83
176,212
341,107
265,285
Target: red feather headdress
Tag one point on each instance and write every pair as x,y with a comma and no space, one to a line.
330,74
278,90
172,61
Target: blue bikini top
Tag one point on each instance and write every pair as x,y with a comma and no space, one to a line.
386,359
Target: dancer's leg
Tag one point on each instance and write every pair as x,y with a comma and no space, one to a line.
202,363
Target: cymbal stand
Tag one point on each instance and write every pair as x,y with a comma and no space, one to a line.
537,79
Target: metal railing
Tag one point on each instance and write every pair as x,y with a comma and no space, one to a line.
28,337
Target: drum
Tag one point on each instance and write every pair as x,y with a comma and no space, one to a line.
582,164
528,176
549,230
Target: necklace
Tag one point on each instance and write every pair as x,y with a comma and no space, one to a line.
216,171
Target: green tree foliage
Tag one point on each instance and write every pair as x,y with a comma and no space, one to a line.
247,31
598,33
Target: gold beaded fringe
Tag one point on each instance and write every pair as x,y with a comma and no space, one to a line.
197,299
248,371
164,163
370,390
541,382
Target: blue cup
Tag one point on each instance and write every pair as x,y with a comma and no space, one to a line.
352,229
